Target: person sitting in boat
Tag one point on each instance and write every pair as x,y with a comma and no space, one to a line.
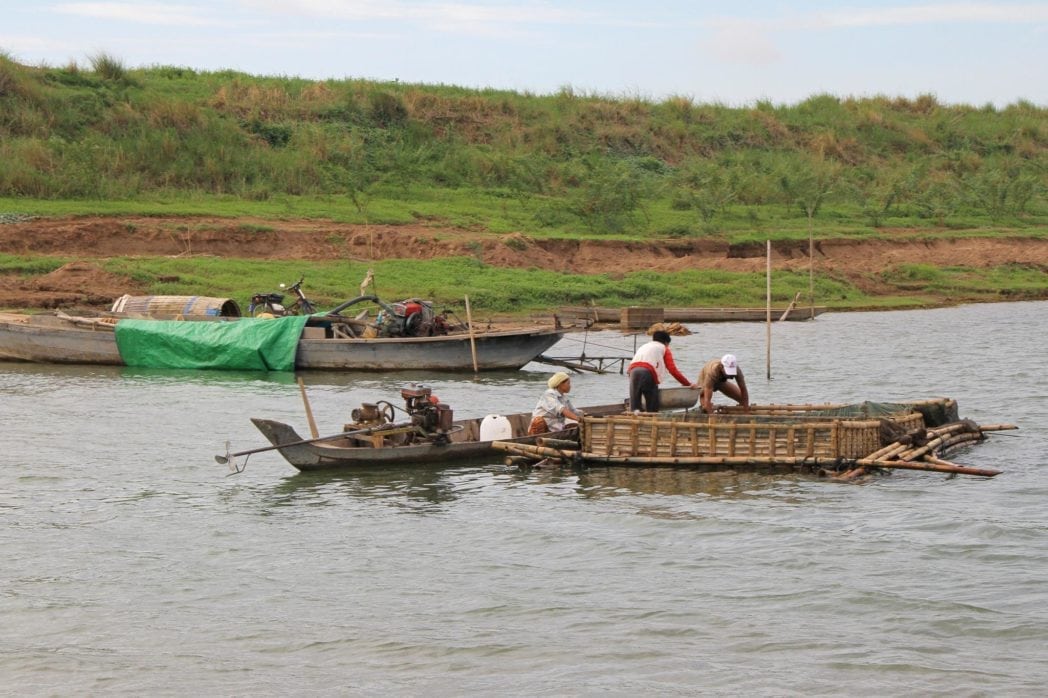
648,368
554,410
716,377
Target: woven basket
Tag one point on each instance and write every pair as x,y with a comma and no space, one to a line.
170,307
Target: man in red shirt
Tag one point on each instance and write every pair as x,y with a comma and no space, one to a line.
648,368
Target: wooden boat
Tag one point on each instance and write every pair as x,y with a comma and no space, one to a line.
55,339
830,439
604,315
494,350
66,339
430,437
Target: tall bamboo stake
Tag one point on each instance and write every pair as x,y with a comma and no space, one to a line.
472,338
768,303
811,266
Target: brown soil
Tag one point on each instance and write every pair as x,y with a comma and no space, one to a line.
90,238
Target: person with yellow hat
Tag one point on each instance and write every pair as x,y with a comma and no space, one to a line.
554,409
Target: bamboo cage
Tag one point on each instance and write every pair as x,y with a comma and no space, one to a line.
839,441
778,433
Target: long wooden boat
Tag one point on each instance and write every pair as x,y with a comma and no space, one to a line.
53,339
614,315
463,441
494,350
78,340
833,439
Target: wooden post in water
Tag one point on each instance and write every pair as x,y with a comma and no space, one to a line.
768,301
472,339
811,266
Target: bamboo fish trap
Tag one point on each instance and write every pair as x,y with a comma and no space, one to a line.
830,438
175,307
822,431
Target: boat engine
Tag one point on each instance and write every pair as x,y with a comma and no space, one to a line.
427,412
411,318
368,414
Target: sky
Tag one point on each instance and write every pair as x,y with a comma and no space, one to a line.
734,53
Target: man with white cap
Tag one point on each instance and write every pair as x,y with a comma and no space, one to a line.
716,376
554,409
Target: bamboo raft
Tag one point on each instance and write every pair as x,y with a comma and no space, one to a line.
833,440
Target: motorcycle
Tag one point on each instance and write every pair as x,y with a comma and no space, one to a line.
273,303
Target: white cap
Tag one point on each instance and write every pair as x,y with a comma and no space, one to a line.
731,366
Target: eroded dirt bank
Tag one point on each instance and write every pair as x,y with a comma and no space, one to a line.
97,237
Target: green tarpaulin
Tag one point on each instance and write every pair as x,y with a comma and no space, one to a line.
244,344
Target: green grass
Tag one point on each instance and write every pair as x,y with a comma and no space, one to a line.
448,281
567,163
530,291
102,139
1007,282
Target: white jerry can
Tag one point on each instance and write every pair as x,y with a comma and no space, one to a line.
495,427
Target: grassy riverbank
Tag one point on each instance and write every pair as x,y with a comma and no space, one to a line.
527,172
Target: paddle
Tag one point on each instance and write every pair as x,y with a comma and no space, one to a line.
223,460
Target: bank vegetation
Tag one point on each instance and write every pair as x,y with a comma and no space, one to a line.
100,138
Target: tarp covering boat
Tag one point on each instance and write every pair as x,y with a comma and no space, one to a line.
245,344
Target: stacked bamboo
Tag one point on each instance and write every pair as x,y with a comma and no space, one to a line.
922,452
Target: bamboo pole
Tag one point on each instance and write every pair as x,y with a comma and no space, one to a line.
309,411
532,450
105,323
767,295
956,439
816,461
938,467
940,461
888,451
557,443
811,265
851,474
939,435
472,337
790,307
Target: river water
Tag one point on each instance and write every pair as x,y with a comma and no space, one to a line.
133,564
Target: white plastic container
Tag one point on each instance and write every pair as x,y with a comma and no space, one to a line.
495,427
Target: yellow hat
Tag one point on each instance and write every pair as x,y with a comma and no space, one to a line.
557,379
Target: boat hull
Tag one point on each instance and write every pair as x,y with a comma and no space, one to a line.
614,315
48,339
494,350
47,343
465,445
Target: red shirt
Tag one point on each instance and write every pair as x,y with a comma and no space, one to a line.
648,354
